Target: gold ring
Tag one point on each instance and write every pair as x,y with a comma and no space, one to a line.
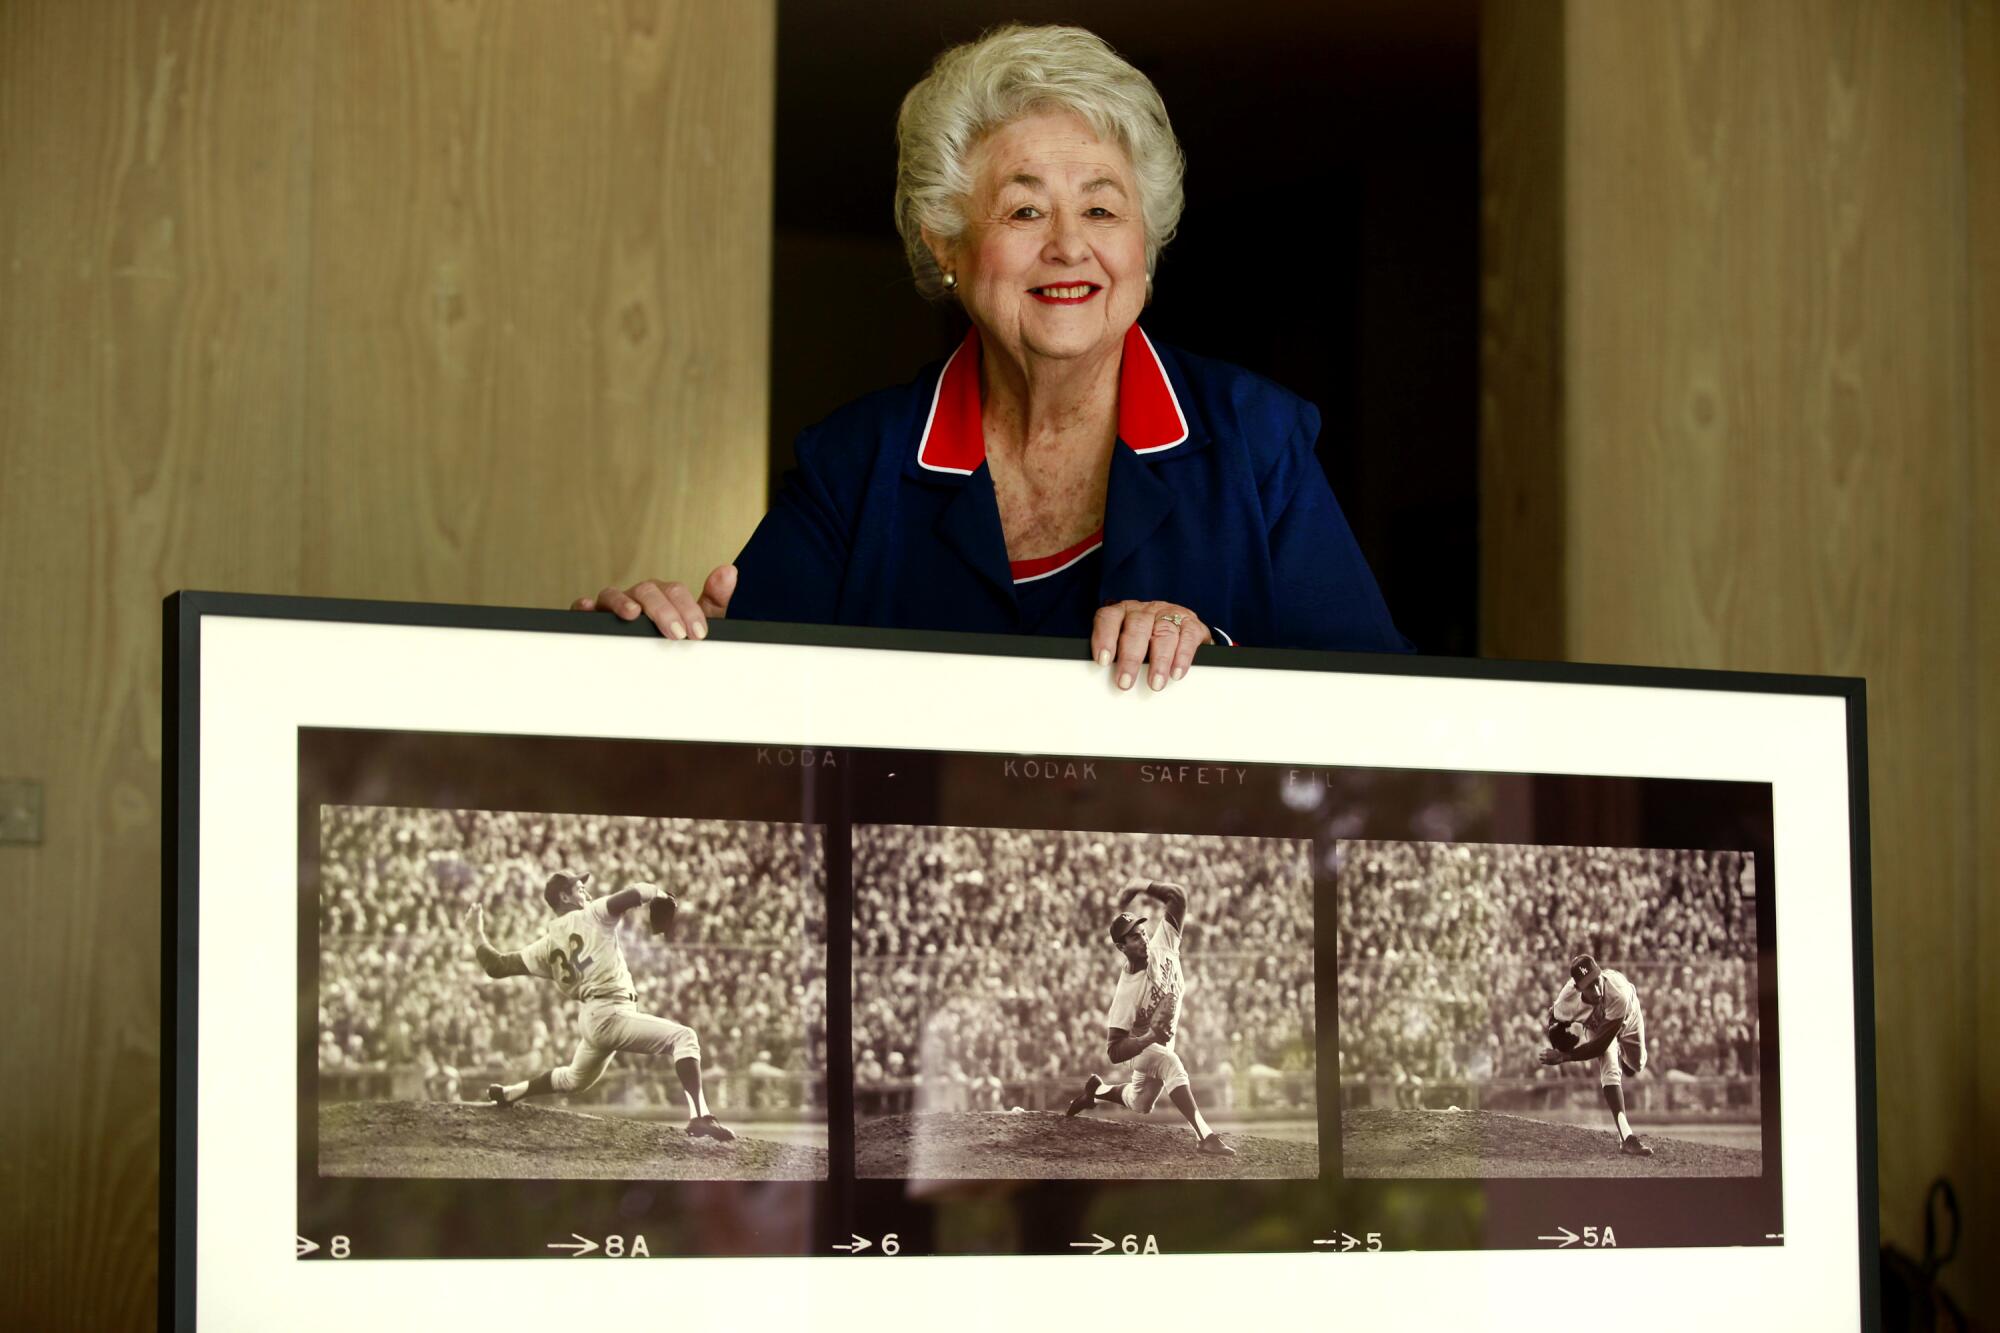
1174,619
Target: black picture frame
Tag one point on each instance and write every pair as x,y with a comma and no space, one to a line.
185,613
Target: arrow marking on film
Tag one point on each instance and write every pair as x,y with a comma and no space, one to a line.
1568,1238
306,1247
578,1250
860,1244
1102,1244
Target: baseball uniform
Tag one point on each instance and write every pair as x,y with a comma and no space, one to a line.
1617,1005
580,954
1150,998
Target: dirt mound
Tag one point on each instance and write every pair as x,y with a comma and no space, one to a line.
1045,1145
1475,1144
476,1140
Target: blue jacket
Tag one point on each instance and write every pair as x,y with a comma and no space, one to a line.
1216,502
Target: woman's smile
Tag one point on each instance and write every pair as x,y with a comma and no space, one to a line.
1071,294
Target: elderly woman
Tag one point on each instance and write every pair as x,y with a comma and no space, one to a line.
1061,473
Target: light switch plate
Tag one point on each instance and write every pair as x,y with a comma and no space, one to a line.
20,810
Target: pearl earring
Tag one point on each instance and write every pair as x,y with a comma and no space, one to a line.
950,281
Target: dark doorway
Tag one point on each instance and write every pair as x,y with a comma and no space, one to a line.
1330,240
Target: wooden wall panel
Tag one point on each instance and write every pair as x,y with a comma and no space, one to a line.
1774,422
1521,455
540,268
1768,392
1982,231
151,271
446,300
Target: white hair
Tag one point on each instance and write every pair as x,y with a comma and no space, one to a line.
1010,72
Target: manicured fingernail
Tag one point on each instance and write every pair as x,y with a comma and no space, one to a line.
674,628
1179,672
701,629
1125,681
1159,681
1104,657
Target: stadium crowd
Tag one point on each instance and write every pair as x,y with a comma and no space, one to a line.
981,958
398,986
1451,953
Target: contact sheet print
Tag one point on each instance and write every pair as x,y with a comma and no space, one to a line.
955,1002
1391,983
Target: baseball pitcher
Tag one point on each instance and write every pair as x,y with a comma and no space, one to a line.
579,953
1145,1012
1607,1005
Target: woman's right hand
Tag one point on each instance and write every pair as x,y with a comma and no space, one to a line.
678,613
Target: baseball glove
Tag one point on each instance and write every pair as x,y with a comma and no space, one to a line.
661,911
1167,1015
1564,1036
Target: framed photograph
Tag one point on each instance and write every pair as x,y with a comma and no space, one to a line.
502,939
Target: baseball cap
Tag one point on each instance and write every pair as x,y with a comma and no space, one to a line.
1583,969
561,882
1124,924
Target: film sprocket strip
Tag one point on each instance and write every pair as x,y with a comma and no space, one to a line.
1077,1183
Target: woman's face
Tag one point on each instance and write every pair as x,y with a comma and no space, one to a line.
1052,263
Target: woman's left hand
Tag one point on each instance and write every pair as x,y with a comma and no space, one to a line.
1159,637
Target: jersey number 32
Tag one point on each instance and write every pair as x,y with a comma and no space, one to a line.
570,966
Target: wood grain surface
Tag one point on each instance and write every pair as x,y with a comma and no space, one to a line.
439,300
1777,306
1521,453
1982,231
539,266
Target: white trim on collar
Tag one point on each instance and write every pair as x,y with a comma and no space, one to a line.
930,419
1160,369
1089,550
1149,410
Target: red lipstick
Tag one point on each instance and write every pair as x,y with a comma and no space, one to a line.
1088,290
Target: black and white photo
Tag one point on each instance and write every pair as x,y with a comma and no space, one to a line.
1273,965
531,995
1537,1011
1045,1003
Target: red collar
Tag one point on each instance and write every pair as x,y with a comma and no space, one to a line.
1150,419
